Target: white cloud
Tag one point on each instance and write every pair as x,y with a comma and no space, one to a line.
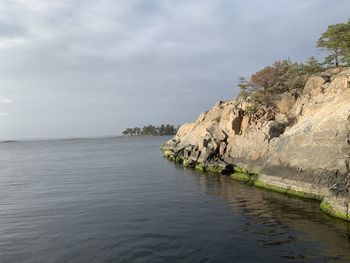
6,101
3,114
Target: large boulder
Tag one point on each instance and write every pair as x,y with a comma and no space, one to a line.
313,83
285,103
304,138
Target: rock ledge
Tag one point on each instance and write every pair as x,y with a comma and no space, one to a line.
300,145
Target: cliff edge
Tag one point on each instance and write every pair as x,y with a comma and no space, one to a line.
299,144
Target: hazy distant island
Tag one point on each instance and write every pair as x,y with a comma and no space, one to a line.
288,130
151,130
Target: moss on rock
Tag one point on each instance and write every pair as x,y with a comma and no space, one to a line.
179,160
288,191
187,163
274,188
199,167
241,177
328,209
244,177
167,153
240,170
215,169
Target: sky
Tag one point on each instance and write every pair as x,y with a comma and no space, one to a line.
77,68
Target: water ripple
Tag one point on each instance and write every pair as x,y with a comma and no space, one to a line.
117,200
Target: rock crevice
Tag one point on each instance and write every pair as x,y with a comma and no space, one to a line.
300,143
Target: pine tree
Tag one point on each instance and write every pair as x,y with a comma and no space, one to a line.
337,41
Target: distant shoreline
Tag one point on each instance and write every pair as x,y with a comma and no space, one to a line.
77,138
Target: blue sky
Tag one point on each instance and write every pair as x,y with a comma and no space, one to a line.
89,68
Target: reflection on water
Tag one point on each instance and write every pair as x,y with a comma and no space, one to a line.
118,200
278,220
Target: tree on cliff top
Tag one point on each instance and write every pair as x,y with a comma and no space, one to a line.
280,77
337,41
312,66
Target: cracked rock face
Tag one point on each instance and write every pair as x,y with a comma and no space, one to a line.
304,136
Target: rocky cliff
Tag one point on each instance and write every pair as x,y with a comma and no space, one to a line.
299,145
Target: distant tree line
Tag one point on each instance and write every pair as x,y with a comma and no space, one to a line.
151,130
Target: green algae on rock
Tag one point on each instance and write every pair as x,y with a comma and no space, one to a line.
290,145
328,209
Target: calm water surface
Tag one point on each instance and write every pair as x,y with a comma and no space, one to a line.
118,200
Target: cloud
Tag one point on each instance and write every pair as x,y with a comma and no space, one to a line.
137,62
6,101
3,114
